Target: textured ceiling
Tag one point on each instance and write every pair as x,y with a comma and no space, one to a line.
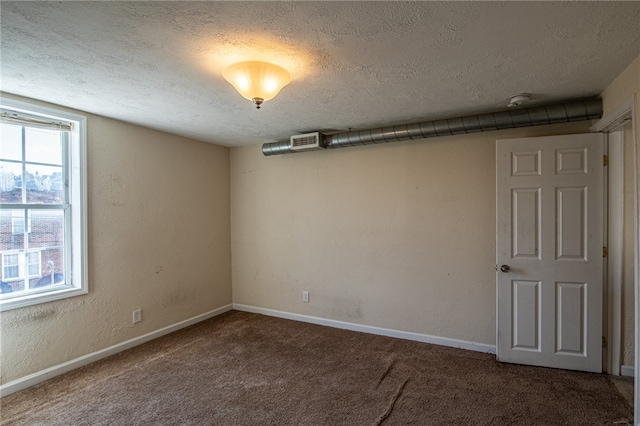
354,64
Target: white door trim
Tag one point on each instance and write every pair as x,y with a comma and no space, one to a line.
609,123
616,119
614,244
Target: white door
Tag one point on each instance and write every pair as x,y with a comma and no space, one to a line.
549,251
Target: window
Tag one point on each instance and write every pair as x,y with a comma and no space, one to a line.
17,222
20,265
33,264
10,266
42,204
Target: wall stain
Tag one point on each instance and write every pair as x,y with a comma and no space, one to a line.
176,298
32,316
43,315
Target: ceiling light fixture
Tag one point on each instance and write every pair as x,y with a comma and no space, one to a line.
257,81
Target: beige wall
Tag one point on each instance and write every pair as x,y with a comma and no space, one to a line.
622,88
158,212
400,236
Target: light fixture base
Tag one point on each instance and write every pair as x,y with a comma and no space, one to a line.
517,100
258,102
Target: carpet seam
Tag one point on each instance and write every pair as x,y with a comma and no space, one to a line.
386,415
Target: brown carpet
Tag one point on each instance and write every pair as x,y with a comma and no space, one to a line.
248,369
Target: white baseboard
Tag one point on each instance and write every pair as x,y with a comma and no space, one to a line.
627,370
56,370
424,338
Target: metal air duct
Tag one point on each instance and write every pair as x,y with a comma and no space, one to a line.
588,109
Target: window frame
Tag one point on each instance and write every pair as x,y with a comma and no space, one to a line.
76,232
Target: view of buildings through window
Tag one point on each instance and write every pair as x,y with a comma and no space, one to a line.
33,199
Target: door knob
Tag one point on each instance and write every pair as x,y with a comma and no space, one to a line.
505,268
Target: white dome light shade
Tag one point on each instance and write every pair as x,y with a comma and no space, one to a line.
257,81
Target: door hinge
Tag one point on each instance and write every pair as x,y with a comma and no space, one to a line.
604,342
605,252
605,160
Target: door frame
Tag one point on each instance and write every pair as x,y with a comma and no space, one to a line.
613,262
607,124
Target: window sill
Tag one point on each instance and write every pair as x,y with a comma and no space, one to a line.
35,299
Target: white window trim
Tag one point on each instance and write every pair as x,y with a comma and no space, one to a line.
78,277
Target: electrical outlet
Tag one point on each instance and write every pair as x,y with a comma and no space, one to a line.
137,315
305,296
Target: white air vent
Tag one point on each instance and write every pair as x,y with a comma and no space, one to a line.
306,141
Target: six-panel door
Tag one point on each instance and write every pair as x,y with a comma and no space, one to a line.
549,239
